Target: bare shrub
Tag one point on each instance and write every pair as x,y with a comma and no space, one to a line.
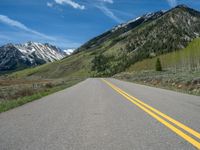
23,92
49,85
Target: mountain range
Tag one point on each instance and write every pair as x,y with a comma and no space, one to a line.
20,56
148,36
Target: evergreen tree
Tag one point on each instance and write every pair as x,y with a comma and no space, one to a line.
158,65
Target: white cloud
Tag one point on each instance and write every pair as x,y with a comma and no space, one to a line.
6,20
172,3
100,4
49,4
71,3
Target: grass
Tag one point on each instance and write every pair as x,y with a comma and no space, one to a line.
75,65
10,104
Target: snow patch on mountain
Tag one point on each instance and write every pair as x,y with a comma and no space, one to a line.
46,52
69,51
143,18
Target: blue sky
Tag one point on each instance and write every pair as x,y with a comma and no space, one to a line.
70,23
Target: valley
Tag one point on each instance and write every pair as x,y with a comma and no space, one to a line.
134,85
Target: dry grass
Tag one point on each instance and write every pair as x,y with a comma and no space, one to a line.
187,82
16,95
11,89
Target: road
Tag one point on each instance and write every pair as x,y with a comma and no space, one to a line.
105,114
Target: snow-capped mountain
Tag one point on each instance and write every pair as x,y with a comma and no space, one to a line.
19,56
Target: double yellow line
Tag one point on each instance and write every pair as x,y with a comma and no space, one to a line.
161,117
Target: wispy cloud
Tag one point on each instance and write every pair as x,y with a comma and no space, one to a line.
172,3
109,13
25,33
22,37
6,20
71,3
101,5
108,1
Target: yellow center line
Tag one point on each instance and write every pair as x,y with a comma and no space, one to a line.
179,124
152,112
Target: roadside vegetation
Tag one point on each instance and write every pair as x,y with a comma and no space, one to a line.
178,70
16,92
186,82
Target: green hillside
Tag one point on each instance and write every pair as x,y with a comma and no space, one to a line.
181,70
73,66
184,59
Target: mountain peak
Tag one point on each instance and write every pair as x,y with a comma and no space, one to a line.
182,6
9,44
137,21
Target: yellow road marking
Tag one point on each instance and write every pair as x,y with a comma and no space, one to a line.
179,124
152,112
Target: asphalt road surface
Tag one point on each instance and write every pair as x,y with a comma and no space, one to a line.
104,115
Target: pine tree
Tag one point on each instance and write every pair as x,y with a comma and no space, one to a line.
158,65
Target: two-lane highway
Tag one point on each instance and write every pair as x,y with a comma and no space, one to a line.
104,114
